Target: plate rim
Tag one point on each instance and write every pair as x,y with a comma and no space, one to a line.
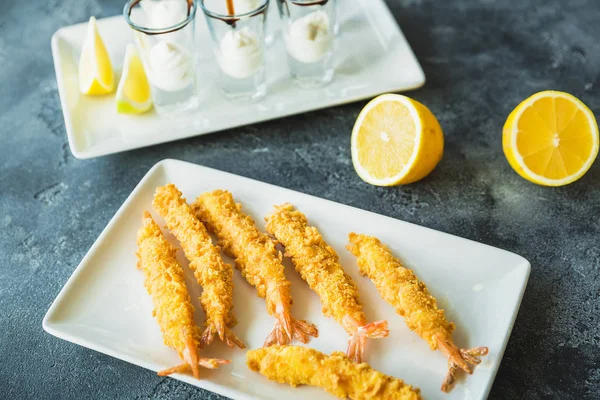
84,154
53,328
62,95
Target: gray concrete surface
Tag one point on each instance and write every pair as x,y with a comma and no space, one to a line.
481,58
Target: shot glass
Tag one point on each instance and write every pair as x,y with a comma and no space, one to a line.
164,33
308,27
239,46
272,24
336,23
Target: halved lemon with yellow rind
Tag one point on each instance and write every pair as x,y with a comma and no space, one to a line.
133,93
395,140
96,75
551,138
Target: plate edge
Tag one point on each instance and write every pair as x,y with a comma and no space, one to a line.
167,163
47,320
511,324
62,94
421,80
54,329
83,154
525,265
206,384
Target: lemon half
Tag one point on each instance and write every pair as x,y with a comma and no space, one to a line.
551,138
395,140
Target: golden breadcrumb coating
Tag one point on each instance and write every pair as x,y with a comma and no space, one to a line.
165,282
254,252
212,273
317,263
400,287
336,373
255,257
173,310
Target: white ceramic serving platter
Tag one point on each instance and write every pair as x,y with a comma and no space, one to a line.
371,57
105,307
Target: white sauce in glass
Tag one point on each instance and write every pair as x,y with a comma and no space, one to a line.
170,63
171,66
240,54
309,37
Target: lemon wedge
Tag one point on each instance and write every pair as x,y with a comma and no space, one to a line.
133,93
96,75
551,138
395,140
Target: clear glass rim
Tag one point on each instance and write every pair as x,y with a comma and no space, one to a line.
234,17
192,7
308,2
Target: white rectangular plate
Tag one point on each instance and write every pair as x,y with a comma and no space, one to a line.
105,307
371,57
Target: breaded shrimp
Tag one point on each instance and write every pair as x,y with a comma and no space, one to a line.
318,265
172,305
400,288
212,273
257,259
337,374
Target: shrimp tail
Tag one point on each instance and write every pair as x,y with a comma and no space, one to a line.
192,361
302,330
212,363
174,370
225,334
277,335
285,320
450,378
208,363
458,359
298,329
286,327
231,339
192,350
207,336
356,343
375,330
356,347
190,356
452,352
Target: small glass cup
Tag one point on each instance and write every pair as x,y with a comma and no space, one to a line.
272,24
336,23
308,27
164,36
239,48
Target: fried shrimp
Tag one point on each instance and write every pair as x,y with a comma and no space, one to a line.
402,290
337,374
173,308
212,273
318,265
257,259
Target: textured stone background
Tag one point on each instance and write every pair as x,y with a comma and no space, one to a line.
481,58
